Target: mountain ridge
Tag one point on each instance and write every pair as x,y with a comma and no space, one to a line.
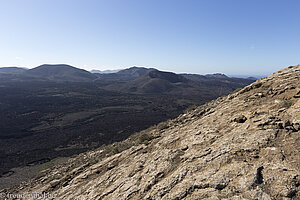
133,80
241,146
60,72
12,70
108,71
153,81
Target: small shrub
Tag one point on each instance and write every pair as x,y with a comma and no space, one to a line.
145,138
237,89
162,125
287,103
191,108
116,148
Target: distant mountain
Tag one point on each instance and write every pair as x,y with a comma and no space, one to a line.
218,80
159,82
60,72
252,78
11,73
126,75
135,72
12,70
217,75
153,82
168,76
255,77
95,71
138,80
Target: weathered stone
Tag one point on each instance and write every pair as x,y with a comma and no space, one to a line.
240,119
296,125
259,95
287,123
184,148
54,183
279,125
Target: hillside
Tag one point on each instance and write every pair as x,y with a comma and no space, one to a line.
55,111
41,121
219,80
242,146
152,81
11,73
138,80
123,76
60,72
12,70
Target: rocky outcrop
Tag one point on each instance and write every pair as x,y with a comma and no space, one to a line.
242,146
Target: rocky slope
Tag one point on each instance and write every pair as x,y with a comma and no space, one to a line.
242,146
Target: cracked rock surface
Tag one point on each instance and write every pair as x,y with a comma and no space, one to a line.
242,146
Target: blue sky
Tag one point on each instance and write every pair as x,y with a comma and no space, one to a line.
251,37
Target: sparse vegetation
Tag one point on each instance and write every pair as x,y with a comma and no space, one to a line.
145,138
162,125
287,103
191,108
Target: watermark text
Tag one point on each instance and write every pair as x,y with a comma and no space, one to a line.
34,195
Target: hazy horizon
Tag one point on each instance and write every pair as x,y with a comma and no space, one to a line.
231,37
184,72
